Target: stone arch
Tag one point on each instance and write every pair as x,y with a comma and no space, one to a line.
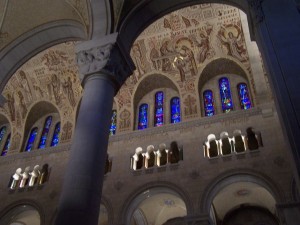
144,87
109,209
36,112
140,194
223,67
20,207
235,176
31,43
147,12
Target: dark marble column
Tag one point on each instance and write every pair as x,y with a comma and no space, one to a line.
277,32
104,67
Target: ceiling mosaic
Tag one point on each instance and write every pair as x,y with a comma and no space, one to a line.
18,17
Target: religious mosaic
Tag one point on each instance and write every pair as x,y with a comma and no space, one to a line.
180,44
51,76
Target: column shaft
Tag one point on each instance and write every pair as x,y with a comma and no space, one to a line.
81,194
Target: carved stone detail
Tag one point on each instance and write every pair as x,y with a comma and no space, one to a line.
105,56
256,10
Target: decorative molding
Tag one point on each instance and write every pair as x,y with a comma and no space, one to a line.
256,10
105,56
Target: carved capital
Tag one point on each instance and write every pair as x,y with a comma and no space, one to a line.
104,56
256,10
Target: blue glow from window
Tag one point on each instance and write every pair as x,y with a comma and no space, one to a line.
143,117
209,108
175,110
159,109
31,139
6,146
244,97
113,124
46,129
225,93
55,138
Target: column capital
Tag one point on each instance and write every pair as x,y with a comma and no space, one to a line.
104,56
256,10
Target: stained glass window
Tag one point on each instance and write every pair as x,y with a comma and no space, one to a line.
6,146
175,110
159,109
244,97
143,116
31,139
47,125
208,99
113,124
2,133
55,137
225,93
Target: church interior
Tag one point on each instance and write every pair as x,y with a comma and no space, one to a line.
128,112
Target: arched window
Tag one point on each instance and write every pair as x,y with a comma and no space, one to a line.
225,93
244,97
208,99
159,109
31,139
2,133
55,137
175,110
6,146
46,128
143,117
113,124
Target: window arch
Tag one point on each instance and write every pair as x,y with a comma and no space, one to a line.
113,124
208,100
159,109
31,139
55,137
175,110
46,128
143,117
225,94
244,96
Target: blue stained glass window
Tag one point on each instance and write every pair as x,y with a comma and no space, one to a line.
113,124
2,133
55,137
244,96
143,116
208,98
159,109
225,93
175,110
31,139
6,146
47,125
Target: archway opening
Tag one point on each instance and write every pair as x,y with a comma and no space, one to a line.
244,199
156,206
22,215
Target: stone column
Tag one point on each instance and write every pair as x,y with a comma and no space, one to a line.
277,31
104,67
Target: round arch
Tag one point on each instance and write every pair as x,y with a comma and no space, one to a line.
37,111
31,43
157,80
109,209
150,189
21,207
146,12
238,176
